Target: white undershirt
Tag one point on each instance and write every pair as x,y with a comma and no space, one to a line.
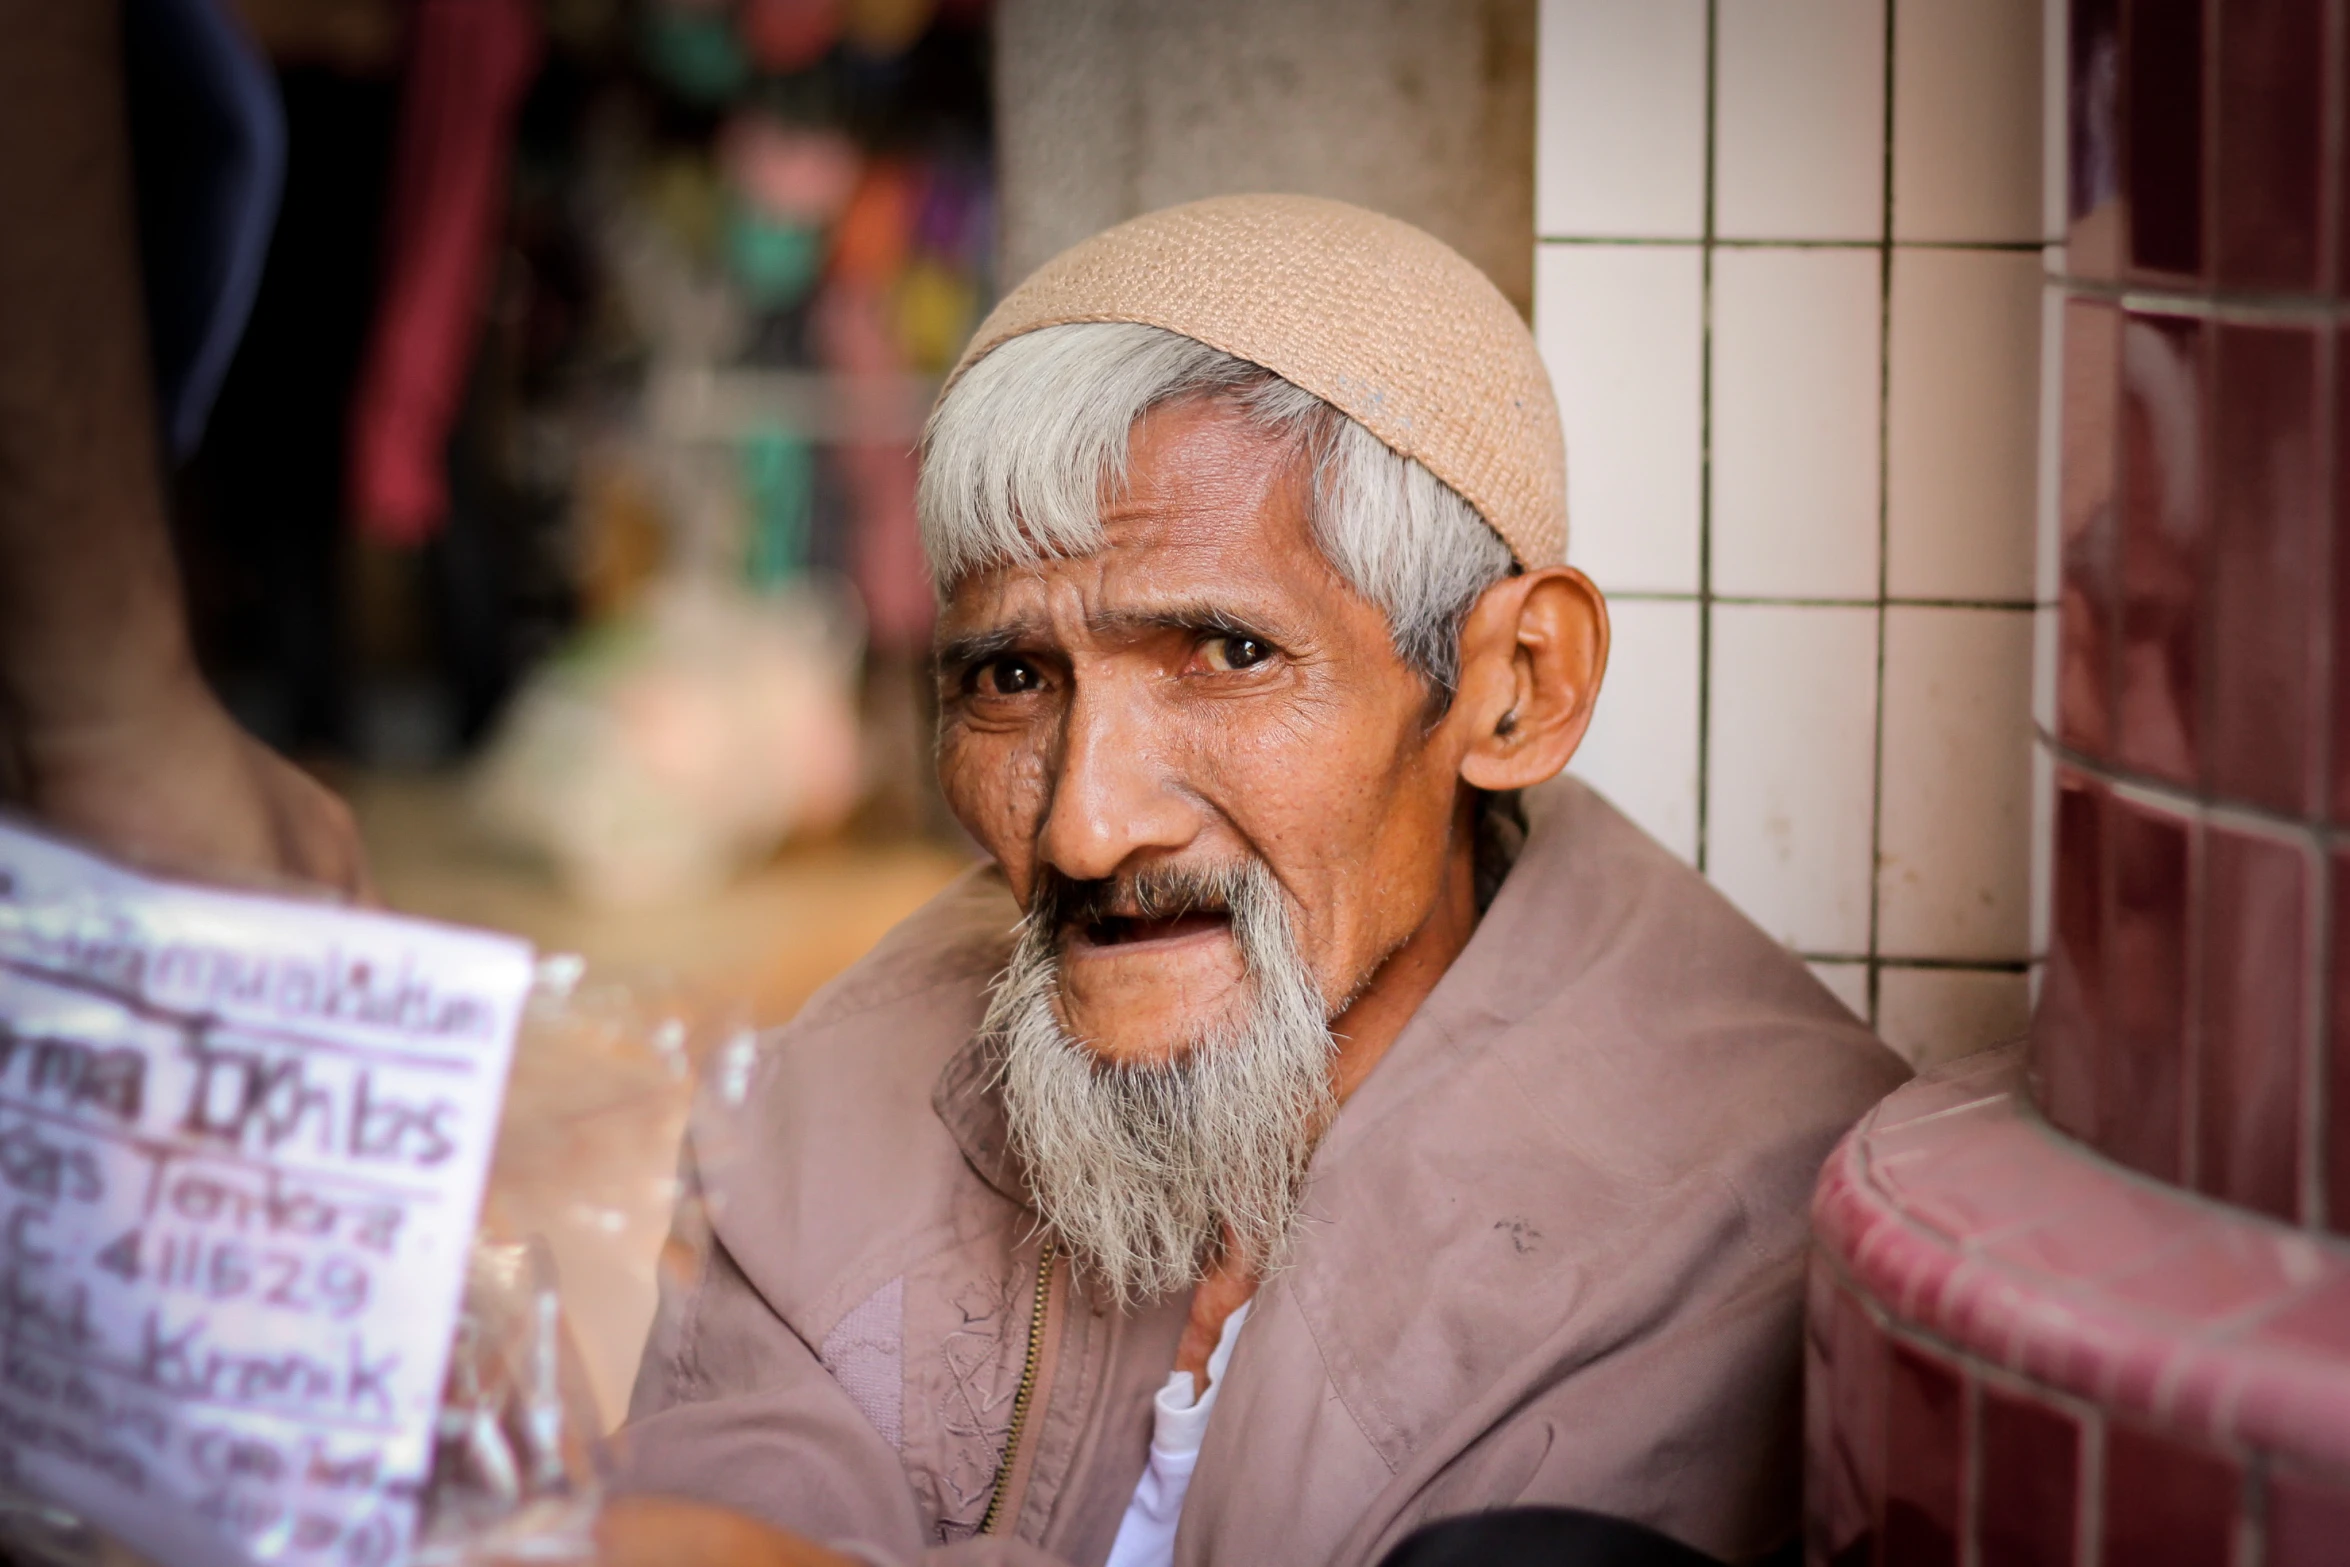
1179,1422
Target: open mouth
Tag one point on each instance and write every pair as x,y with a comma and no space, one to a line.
1121,930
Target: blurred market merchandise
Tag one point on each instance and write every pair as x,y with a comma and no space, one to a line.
680,741
674,564
765,942
797,254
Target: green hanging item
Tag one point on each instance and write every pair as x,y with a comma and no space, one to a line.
779,500
775,262
696,54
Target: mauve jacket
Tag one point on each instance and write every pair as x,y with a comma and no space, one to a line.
1552,1252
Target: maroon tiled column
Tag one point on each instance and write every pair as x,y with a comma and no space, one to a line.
2089,1302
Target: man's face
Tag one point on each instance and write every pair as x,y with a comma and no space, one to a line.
1202,691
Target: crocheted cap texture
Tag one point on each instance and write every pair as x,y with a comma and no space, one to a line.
1385,322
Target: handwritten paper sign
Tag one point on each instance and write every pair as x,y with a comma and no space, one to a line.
242,1145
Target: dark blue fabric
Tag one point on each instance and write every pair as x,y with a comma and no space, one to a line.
1543,1537
208,158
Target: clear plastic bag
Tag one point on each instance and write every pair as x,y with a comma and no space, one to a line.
604,1075
560,1284
516,1459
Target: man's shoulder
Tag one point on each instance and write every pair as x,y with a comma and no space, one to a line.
834,1166
1667,1028
1587,1160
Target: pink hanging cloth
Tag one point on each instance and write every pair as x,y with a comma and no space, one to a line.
469,64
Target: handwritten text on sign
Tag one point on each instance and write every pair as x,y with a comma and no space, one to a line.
242,1143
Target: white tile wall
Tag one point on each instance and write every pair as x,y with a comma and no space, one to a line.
1847,982
1641,751
1621,148
1799,119
1796,375
1962,444
1931,1015
1967,92
1622,327
1790,770
1844,520
1953,847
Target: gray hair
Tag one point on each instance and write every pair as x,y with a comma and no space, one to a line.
1019,454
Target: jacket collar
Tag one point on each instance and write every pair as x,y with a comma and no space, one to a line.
968,1101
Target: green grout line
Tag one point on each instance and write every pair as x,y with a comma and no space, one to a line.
2318,944
1884,523
1772,601
2318,1109
2321,836
1665,242
1705,451
2250,308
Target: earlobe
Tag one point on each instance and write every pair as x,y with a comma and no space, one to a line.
1533,654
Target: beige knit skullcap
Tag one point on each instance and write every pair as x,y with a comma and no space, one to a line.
1386,323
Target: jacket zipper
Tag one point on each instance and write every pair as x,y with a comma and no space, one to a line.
1045,1257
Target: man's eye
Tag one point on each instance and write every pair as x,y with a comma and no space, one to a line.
1009,677
1235,652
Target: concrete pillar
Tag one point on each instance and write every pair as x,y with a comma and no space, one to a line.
1419,108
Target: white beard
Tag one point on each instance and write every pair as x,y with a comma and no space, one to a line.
1147,1173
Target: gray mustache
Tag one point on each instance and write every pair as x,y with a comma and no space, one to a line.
1161,892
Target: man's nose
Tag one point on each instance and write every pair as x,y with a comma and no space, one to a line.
1113,793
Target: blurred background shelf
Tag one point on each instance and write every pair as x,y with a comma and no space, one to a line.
768,939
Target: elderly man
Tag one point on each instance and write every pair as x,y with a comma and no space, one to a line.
1298,1132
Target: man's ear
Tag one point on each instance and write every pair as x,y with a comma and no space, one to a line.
1533,651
